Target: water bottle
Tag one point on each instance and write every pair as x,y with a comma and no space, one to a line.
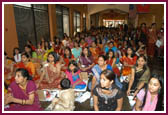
91,102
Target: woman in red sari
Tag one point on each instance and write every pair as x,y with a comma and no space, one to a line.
8,69
51,75
67,57
111,59
151,40
128,61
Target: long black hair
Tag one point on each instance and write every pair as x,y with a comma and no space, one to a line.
14,50
133,52
110,75
30,53
89,52
49,46
107,55
26,54
144,57
70,53
55,55
160,93
73,62
24,73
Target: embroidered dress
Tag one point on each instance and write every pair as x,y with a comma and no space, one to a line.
107,102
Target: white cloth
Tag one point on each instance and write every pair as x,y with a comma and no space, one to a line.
17,58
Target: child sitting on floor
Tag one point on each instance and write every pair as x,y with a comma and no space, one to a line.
66,99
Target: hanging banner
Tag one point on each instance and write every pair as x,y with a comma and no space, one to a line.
143,8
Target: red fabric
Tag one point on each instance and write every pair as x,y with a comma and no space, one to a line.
151,49
143,8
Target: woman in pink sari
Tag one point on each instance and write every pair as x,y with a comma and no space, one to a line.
22,93
151,97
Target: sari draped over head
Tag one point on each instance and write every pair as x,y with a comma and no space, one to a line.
19,93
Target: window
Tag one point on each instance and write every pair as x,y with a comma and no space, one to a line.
62,20
76,22
31,23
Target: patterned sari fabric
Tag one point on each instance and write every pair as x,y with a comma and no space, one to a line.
131,61
115,68
19,93
55,80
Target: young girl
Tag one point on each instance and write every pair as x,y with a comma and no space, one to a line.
17,55
73,74
107,96
151,97
22,93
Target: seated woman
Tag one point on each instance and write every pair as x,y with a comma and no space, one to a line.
73,74
32,54
151,97
76,51
141,50
97,69
66,99
28,65
86,61
47,48
8,69
22,93
107,96
111,59
139,76
51,75
67,57
128,62
95,51
83,43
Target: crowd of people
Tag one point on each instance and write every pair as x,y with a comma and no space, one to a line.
114,59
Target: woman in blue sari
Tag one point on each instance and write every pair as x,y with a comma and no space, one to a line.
97,69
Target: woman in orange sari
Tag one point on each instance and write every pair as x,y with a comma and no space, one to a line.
28,65
8,69
95,51
128,61
51,75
